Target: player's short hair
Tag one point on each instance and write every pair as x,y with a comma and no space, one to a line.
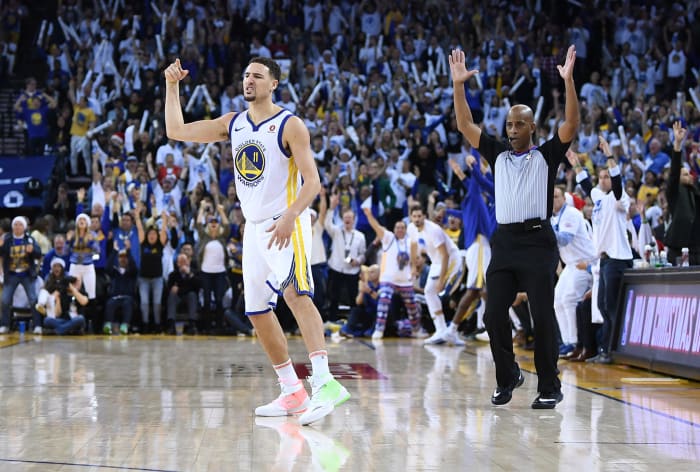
271,64
416,207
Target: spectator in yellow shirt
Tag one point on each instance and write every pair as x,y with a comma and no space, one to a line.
83,120
454,225
648,190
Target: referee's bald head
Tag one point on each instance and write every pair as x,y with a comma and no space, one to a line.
520,126
523,111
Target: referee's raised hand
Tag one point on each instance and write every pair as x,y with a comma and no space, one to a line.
174,73
458,67
567,70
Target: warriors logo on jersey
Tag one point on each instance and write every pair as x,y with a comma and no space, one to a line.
249,158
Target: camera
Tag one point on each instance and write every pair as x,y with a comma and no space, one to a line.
65,282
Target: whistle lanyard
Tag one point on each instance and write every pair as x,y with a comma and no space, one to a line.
348,246
398,245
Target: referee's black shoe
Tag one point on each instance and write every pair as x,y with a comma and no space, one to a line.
502,395
547,400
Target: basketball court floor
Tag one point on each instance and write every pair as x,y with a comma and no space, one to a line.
163,403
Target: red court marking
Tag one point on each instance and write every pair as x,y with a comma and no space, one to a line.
346,371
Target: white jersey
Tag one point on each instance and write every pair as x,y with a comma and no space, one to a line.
429,240
267,178
580,248
396,257
610,224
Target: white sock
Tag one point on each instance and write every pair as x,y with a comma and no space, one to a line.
319,364
452,327
286,373
439,321
480,310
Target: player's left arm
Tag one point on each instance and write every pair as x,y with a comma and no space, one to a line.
445,258
296,138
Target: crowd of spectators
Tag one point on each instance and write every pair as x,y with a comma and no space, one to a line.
371,82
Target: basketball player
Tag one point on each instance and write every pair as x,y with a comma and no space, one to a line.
576,250
276,180
479,223
446,267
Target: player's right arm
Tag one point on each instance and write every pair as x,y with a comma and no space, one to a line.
203,131
378,228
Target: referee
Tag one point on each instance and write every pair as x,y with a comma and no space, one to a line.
524,253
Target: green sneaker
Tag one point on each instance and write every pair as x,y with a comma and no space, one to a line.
326,454
124,328
107,328
326,394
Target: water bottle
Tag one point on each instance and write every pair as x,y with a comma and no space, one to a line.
663,258
654,258
685,257
73,310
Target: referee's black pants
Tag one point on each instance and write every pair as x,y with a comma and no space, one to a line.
523,261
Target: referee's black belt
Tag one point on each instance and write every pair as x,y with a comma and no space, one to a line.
534,224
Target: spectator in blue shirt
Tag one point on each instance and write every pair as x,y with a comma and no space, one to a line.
60,250
18,252
32,107
363,315
656,160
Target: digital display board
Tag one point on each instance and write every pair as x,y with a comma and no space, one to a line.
658,322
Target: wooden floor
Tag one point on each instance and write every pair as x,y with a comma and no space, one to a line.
97,403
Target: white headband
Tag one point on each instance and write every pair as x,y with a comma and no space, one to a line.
58,260
82,216
20,219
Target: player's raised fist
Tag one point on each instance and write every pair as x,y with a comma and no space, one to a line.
175,73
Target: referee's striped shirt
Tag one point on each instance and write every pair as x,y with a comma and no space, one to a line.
524,182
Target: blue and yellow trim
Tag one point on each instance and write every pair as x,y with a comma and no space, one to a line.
280,132
299,272
267,120
259,312
230,124
456,268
